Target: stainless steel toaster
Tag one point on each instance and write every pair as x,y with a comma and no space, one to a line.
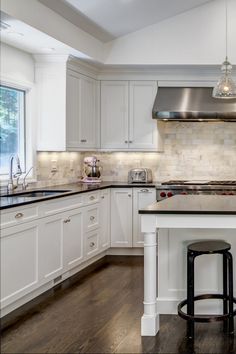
140,175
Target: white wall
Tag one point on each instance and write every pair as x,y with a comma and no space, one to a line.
194,37
17,67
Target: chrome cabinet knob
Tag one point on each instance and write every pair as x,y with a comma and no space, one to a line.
66,221
92,217
92,244
19,215
91,197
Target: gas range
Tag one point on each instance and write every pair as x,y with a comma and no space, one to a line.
173,187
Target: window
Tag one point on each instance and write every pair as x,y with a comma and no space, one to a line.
12,126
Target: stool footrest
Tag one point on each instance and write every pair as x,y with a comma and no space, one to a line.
205,318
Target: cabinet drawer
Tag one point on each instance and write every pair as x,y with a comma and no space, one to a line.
91,197
92,244
91,218
62,204
19,215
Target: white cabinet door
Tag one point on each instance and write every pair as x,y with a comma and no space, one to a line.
83,113
142,197
51,248
73,238
121,217
90,113
19,261
143,129
114,114
105,215
73,110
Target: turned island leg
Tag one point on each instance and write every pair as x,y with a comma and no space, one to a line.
150,318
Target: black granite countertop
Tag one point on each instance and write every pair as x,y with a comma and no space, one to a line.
10,201
194,204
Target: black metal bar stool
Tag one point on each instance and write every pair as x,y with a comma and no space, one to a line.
197,249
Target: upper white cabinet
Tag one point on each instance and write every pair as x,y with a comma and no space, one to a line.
143,133
126,116
114,114
82,123
67,107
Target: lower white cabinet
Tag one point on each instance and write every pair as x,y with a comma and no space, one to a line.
121,217
92,243
105,219
73,238
142,197
19,261
50,248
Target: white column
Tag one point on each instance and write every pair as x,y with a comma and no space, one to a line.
150,318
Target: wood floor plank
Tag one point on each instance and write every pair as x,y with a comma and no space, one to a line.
100,313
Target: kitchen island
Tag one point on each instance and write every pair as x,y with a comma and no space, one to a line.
168,227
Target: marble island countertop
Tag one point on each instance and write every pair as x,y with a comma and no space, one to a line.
194,204
20,198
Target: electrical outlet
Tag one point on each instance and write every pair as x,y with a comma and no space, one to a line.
54,166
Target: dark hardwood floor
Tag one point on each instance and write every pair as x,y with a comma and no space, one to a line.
100,312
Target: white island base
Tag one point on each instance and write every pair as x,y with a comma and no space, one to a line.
166,237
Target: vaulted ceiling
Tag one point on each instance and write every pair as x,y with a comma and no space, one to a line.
110,19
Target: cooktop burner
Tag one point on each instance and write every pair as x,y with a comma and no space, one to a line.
200,182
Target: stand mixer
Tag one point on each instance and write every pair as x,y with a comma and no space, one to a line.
92,171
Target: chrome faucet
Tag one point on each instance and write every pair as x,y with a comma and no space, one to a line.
11,186
24,183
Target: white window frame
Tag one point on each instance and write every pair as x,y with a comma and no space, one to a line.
30,131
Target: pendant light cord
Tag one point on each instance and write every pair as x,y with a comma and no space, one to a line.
226,29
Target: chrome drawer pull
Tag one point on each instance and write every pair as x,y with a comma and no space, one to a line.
102,197
92,244
144,190
92,217
19,215
91,197
83,140
66,221
129,195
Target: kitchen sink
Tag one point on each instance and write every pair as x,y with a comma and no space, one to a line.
36,194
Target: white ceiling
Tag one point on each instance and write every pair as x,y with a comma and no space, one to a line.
110,19
29,39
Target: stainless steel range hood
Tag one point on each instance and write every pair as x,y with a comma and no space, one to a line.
192,104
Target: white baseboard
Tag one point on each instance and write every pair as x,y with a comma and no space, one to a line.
125,251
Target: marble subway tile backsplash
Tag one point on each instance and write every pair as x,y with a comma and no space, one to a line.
191,151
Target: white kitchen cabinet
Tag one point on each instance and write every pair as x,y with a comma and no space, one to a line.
50,248
19,261
121,217
126,116
114,114
92,243
82,123
143,132
73,238
60,243
67,102
105,222
142,197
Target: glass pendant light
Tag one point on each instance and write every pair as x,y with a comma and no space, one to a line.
225,87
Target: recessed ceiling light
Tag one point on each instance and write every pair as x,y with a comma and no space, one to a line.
15,33
48,49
